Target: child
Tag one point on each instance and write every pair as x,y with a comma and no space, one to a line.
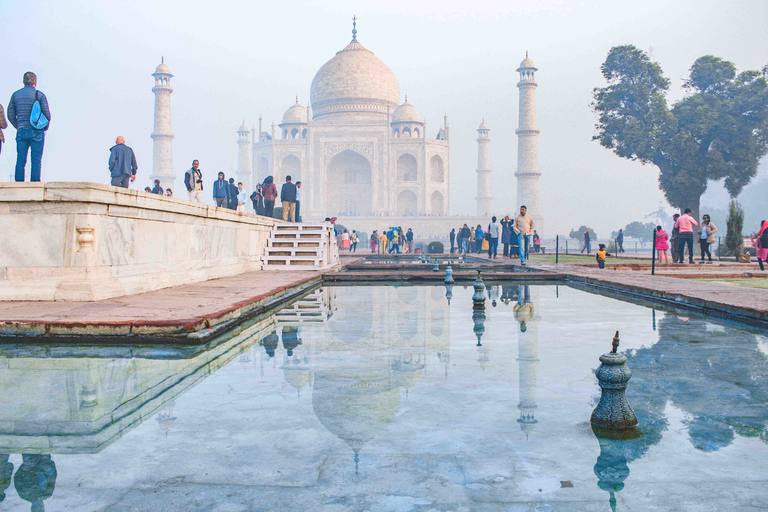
600,256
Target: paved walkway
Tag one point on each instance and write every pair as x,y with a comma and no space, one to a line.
170,311
721,300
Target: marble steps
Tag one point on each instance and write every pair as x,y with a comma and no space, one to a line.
293,246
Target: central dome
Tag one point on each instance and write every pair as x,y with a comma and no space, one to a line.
354,82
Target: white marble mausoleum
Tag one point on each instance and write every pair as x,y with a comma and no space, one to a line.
358,151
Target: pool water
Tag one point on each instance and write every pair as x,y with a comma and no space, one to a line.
382,398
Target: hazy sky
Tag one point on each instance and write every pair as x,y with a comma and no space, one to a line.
235,60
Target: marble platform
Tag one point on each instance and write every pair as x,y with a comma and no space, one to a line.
87,241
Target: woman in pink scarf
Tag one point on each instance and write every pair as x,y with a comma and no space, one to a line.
760,241
662,244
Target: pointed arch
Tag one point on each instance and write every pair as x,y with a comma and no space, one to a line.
407,168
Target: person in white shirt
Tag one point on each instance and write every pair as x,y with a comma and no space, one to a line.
523,229
494,231
241,197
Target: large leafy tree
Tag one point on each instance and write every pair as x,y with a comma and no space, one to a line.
718,131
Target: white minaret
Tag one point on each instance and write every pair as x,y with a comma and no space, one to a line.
244,159
162,157
527,355
484,199
527,144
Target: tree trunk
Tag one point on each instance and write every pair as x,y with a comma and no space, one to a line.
695,207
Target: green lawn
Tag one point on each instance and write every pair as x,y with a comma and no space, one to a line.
747,282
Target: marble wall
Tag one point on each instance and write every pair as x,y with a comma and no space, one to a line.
86,241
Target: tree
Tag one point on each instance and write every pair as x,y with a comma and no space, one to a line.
718,131
733,237
579,233
643,231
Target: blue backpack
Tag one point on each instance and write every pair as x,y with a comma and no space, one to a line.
37,119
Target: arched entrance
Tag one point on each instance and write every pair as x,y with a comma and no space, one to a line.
407,203
290,166
436,203
436,169
349,185
407,167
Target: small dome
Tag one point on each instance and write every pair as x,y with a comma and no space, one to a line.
483,126
242,128
162,69
406,113
526,63
297,114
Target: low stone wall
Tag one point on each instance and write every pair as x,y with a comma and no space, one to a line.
86,241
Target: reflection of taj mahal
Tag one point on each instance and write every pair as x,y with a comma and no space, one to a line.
357,150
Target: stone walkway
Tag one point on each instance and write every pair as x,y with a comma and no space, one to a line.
170,311
724,301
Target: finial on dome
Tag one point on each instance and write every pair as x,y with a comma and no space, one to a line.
162,59
526,54
297,98
354,28
406,97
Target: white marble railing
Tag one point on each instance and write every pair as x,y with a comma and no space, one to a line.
86,241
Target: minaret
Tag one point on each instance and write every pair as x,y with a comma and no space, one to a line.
243,159
527,144
162,158
484,199
527,355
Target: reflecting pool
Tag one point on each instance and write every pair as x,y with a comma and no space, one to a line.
386,398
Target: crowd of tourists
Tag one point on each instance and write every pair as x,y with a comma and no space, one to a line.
686,229
517,237
392,240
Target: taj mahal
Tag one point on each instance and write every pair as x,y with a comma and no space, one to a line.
362,155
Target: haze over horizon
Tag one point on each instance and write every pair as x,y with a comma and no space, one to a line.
235,61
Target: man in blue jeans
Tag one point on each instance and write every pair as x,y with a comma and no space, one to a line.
523,228
27,137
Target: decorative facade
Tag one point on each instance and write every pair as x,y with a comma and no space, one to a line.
527,144
162,137
356,149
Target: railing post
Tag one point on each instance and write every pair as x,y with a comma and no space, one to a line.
557,249
653,254
566,247
719,250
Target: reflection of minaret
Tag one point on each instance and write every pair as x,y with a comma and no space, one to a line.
166,417
527,356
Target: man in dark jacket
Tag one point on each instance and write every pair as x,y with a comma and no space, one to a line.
620,241
452,236
28,137
288,198
158,189
221,192
122,164
466,233
233,192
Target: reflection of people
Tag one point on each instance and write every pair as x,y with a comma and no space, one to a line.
6,471
270,343
35,480
524,307
290,338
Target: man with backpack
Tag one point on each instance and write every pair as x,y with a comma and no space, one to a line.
29,113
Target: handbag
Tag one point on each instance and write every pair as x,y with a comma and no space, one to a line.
37,119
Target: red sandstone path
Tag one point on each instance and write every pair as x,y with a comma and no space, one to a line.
187,308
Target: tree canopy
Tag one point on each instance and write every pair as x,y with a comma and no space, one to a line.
718,131
578,234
